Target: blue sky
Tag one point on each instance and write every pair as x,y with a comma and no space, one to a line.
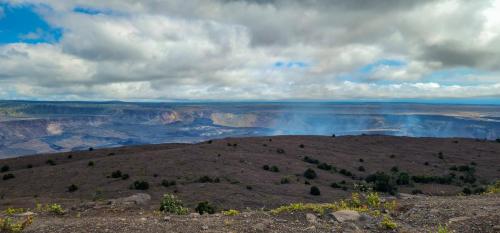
121,50
24,24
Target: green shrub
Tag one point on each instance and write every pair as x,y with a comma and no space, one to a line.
498,140
280,151
50,162
285,180
325,166
310,174
361,160
265,167
5,168
116,174
301,146
125,176
382,183
394,169
91,164
345,172
361,169
440,155
72,188
170,204
308,159
55,208
335,185
8,176
315,191
467,191
205,207
388,223
454,168
140,185
403,179
29,166
275,169
167,183
208,179
416,191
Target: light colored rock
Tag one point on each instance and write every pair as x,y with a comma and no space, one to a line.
194,215
167,218
311,218
260,227
346,215
136,199
204,227
28,213
458,219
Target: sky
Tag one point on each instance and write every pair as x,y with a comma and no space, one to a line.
249,50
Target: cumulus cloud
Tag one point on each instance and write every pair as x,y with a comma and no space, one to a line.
242,49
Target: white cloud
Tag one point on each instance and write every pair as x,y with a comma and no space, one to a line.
226,50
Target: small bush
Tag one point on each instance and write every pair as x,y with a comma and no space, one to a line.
498,140
382,183
285,180
55,208
361,160
167,183
116,174
403,179
72,188
308,159
454,168
91,164
345,172
230,212
265,167
392,156
394,169
275,169
8,176
91,148
170,204
140,185
442,229
5,168
8,225
325,166
125,176
205,207
361,169
315,191
426,163
310,174
280,151
335,185
416,191
301,146
50,162
387,223
467,191
70,156
29,166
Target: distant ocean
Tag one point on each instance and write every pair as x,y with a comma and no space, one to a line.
29,127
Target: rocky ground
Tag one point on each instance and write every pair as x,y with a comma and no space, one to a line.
414,213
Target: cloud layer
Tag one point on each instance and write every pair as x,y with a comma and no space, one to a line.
254,49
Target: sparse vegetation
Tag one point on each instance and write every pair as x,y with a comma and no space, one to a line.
230,212
361,169
494,188
388,223
170,204
125,176
205,207
166,183
8,225
265,167
308,159
116,174
403,179
91,164
208,179
310,174
325,166
274,169
382,183
8,176
72,188
442,229
5,168
55,209
345,172
314,191
285,180
50,162
140,185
